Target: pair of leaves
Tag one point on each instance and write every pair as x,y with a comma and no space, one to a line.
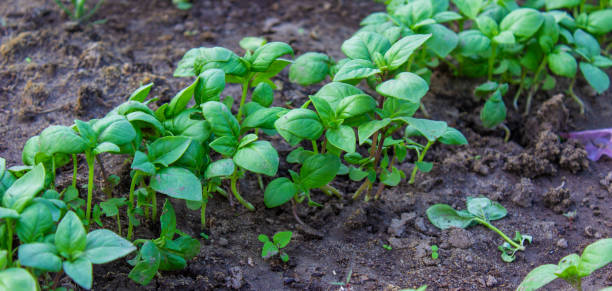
317,171
75,251
271,248
444,216
571,268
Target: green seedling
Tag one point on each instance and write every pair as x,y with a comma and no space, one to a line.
434,252
479,211
387,247
422,288
347,281
182,4
74,251
273,247
493,113
164,253
80,12
109,208
572,268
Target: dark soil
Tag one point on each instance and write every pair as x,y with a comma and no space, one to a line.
53,71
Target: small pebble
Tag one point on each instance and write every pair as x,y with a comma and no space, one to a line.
491,281
562,243
223,242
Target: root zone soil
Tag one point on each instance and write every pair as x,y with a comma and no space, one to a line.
53,71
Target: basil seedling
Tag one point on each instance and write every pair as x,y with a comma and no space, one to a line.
164,253
273,247
571,268
73,250
80,12
479,211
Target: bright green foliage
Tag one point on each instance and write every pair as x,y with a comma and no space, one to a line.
17,279
273,247
571,268
73,250
80,11
164,253
479,211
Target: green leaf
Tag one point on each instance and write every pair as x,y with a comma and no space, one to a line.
342,137
24,189
469,8
263,94
357,174
268,250
104,246
210,85
168,221
485,208
505,38
258,157
251,43
355,105
80,271
310,68
263,238
115,129
453,137
586,43
442,41
366,130
34,222
356,70
147,267
141,93
406,86
334,92
430,129
414,12
42,256
447,16
600,22
597,78
225,145
167,150
556,4
595,256
143,120
194,158
401,51
198,60
184,125
538,278
141,163
70,236
282,238
220,168
247,139
390,179
487,25
522,22
494,111
279,192
275,68
106,147
61,139
562,64
444,216
425,167
393,107
177,183
324,109
8,213
318,170
602,62
221,119
375,18
263,118
268,53
299,124
17,279
363,45
111,206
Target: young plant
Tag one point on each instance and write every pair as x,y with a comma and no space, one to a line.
422,288
74,251
479,211
346,284
572,268
434,252
80,12
17,279
493,113
273,247
109,208
164,253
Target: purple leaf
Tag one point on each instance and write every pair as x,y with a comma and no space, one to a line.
596,142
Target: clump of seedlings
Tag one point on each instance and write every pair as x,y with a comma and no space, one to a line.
273,247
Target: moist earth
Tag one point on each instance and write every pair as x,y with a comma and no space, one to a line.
53,71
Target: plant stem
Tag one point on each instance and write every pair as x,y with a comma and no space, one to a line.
89,157
260,182
107,185
491,60
361,188
245,91
153,205
535,86
295,214
520,90
75,166
203,208
503,235
330,190
9,242
315,149
507,130
424,109
420,159
131,205
247,204
118,224
570,91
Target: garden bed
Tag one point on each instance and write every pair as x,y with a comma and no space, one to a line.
53,72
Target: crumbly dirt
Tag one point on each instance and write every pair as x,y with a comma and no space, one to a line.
53,71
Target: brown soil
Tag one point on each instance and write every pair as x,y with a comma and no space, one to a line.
81,71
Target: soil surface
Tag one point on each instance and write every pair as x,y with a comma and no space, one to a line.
53,71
